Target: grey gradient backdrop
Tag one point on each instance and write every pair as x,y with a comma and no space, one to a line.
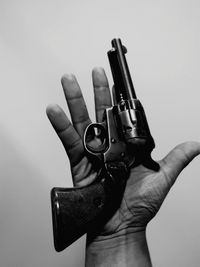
40,41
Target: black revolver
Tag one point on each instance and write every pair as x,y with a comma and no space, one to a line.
124,141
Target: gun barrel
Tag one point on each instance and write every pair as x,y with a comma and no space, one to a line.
124,88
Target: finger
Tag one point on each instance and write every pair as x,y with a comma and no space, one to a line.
66,132
76,103
178,159
101,92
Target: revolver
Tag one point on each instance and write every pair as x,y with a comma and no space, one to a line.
124,141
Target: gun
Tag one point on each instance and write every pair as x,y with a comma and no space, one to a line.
125,141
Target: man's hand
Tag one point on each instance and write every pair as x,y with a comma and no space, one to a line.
145,189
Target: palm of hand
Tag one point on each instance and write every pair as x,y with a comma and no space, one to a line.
144,193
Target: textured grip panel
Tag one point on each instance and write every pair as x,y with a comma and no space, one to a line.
75,211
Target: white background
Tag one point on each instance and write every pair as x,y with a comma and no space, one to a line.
40,41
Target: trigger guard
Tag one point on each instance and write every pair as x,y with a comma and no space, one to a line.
90,131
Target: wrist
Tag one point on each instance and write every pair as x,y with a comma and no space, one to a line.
121,237
127,247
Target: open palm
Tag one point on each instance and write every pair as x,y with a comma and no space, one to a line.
145,189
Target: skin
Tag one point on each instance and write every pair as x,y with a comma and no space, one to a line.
124,234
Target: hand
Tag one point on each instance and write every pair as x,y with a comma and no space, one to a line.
145,189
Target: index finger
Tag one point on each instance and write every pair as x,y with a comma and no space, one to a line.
102,95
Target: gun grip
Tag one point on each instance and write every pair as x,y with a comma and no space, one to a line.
76,211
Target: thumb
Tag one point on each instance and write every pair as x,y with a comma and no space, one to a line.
178,158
